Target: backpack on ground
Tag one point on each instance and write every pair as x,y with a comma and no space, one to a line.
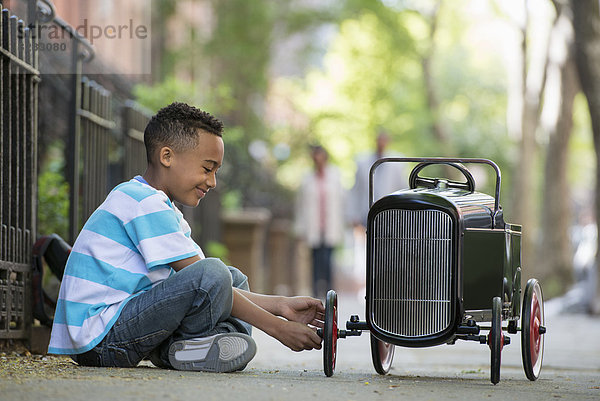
55,251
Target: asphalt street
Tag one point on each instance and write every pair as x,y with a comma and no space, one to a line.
571,371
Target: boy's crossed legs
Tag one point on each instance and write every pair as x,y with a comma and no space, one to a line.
194,302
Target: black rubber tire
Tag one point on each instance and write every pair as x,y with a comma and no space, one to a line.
532,319
496,339
382,354
330,333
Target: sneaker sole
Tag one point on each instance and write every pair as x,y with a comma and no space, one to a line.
225,352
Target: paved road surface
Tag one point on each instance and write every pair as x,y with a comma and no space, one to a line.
571,371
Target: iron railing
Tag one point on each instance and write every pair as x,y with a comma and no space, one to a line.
95,125
91,124
18,178
134,123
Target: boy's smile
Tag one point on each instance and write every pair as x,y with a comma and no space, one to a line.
187,176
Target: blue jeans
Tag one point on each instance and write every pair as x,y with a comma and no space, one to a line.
194,302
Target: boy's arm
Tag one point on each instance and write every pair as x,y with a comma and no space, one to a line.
270,303
294,335
305,310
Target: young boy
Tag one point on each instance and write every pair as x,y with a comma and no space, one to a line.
137,286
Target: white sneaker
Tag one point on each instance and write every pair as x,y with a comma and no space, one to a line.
226,352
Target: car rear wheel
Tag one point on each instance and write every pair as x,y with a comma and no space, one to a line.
382,354
533,327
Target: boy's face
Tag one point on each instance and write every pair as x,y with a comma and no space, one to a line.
193,172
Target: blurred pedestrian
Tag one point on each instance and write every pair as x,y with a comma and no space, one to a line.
389,178
319,217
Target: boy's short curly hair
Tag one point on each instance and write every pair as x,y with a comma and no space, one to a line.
177,125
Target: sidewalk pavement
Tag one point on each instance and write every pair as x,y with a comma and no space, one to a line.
571,371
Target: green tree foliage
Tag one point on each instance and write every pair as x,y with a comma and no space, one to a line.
173,89
372,79
229,74
239,51
53,192
227,77
53,203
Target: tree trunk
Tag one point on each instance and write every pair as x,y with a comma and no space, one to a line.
586,21
524,210
524,207
556,251
438,129
562,85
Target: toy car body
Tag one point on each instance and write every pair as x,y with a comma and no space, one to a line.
441,260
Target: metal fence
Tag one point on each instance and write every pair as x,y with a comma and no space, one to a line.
91,133
134,122
18,178
88,167
92,138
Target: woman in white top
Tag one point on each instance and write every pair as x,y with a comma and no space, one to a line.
319,216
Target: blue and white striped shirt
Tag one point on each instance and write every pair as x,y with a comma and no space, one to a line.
123,250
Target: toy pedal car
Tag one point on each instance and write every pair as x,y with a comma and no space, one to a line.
442,265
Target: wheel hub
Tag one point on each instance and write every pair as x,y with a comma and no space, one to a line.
535,338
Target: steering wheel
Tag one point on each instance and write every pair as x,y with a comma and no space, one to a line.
415,180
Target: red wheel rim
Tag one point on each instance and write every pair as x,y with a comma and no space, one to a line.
489,341
532,332
334,334
330,333
535,338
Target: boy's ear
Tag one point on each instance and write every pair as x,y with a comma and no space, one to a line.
165,156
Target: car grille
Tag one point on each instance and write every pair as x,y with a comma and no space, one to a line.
411,272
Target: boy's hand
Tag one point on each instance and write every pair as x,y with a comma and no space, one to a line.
304,310
297,336
299,312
